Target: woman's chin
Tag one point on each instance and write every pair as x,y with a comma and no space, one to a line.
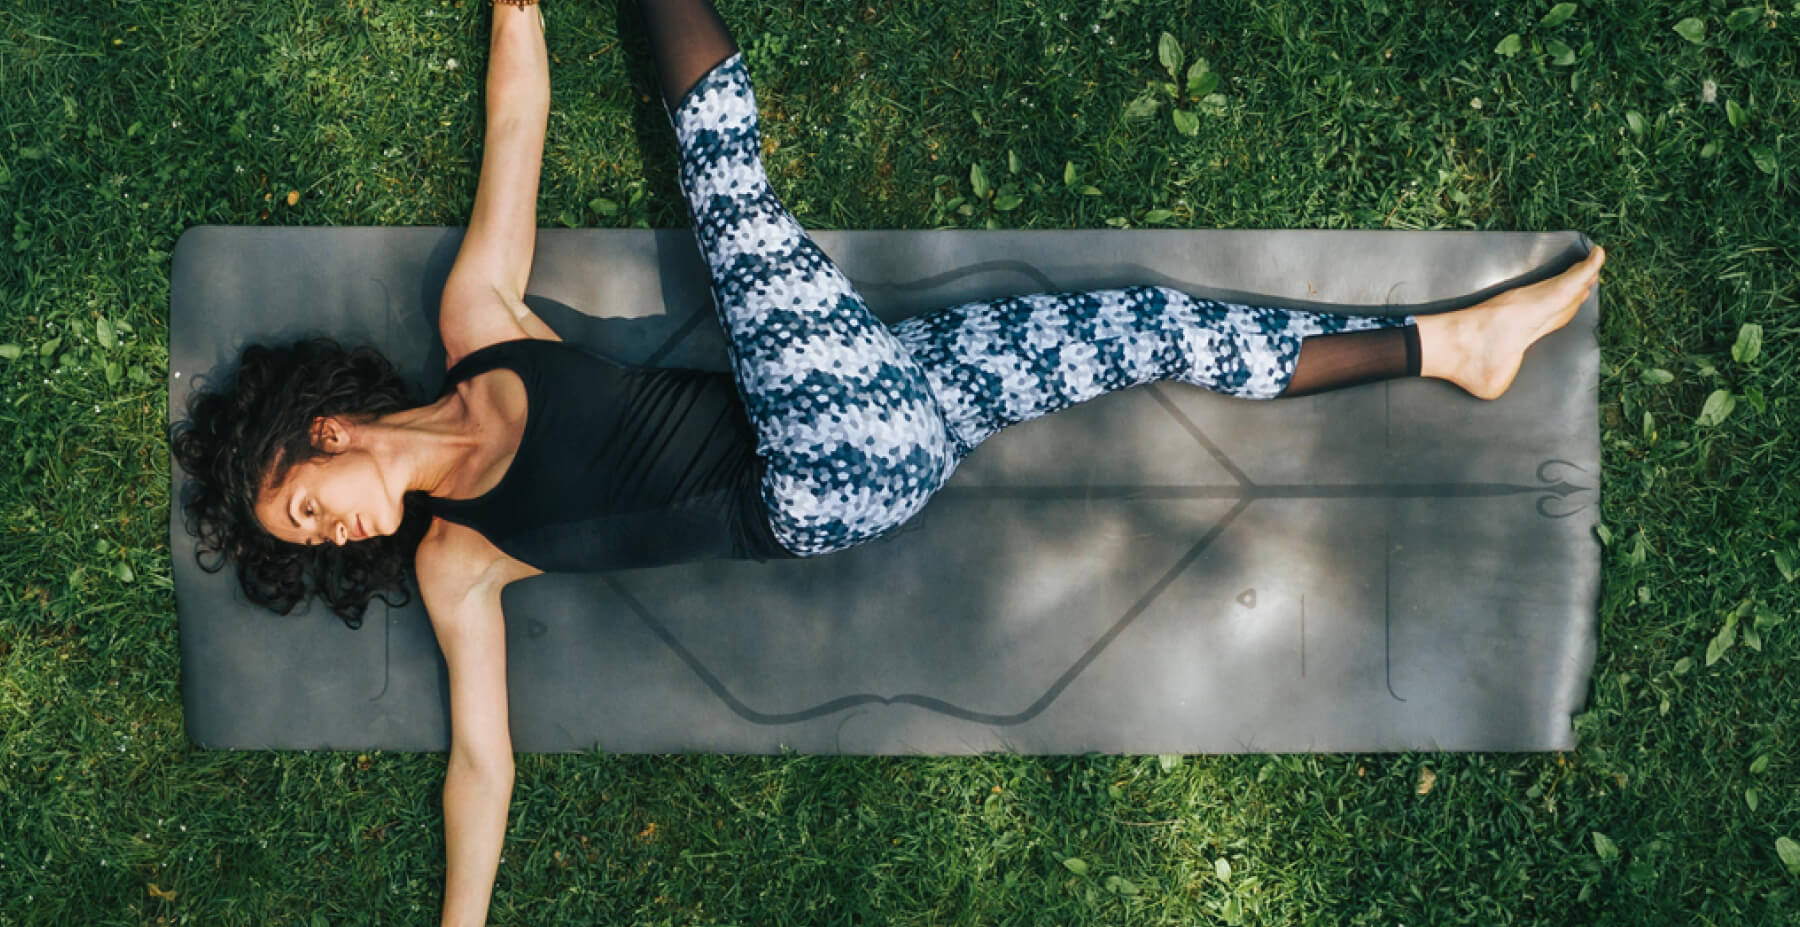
368,528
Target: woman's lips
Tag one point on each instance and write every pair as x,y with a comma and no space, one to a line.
361,532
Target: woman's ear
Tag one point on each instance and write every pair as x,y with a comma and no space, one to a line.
330,435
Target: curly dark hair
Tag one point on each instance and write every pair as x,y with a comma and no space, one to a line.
258,424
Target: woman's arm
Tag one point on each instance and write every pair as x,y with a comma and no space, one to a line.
460,578
483,299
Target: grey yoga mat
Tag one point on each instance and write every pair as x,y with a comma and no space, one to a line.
1395,566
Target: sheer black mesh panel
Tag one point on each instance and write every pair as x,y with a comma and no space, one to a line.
1348,358
688,38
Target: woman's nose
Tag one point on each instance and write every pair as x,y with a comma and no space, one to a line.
340,535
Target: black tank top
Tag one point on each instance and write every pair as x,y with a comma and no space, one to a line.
619,466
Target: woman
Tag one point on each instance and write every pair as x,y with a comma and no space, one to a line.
317,476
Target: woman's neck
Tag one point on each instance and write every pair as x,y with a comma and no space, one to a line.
429,445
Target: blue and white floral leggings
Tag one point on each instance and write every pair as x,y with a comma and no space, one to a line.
860,423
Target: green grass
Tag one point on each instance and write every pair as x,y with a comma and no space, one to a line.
123,123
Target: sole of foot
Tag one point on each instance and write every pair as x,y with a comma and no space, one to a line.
1481,348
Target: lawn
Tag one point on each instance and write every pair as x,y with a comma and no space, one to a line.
1668,131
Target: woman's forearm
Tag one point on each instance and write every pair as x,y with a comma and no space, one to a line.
518,77
475,803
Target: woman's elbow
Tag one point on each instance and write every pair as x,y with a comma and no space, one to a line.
490,769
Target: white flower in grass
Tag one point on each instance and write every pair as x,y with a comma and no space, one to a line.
450,64
1475,103
1709,91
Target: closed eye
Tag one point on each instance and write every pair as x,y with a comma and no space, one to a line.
307,510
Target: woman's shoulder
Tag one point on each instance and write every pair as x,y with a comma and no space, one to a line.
470,319
452,560
450,552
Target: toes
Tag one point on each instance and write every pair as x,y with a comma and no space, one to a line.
1577,280
1590,265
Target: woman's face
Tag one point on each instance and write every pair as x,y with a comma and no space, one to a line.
331,500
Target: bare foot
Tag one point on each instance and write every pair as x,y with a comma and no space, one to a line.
1480,348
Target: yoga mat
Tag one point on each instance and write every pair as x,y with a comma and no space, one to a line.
1395,566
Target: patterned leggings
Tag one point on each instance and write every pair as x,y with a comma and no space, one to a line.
859,423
